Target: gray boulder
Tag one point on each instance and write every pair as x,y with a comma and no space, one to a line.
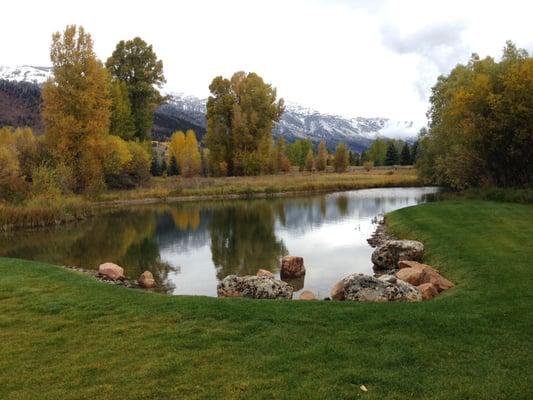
361,287
255,287
391,252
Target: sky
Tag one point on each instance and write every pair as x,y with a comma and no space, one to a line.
353,58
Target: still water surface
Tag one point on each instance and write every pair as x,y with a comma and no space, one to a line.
189,247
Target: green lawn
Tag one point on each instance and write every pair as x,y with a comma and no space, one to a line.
66,336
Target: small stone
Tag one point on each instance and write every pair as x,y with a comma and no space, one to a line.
307,295
292,267
111,271
388,278
146,280
264,272
363,388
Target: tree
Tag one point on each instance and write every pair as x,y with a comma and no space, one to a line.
76,107
341,158
377,152
156,167
121,123
297,152
309,161
322,156
391,158
135,63
481,124
240,115
191,155
353,157
173,167
405,156
176,149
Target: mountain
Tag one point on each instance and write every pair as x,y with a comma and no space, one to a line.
297,122
20,101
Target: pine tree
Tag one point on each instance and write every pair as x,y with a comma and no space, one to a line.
391,157
76,107
309,161
163,166
414,151
155,166
322,156
341,158
173,167
405,157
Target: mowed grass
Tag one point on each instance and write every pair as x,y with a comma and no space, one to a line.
66,336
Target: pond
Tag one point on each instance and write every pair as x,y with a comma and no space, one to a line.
189,246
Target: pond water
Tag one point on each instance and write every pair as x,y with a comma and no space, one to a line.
189,247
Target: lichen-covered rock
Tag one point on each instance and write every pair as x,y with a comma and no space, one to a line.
391,252
264,272
146,280
360,287
255,287
292,267
111,271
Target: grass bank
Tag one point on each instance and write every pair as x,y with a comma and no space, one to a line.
64,335
36,213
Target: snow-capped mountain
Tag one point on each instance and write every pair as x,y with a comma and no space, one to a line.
25,73
184,112
298,122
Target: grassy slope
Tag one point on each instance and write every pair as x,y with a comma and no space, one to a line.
66,336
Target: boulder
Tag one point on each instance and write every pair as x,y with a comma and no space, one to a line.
414,264
295,283
428,291
111,271
391,252
337,291
360,287
440,282
264,272
416,274
307,295
146,280
256,287
388,278
410,275
292,267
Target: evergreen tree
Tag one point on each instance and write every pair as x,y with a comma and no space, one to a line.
391,157
173,167
322,156
121,118
155,166
76,107
135,63
414,151
163,166
341,158
405,157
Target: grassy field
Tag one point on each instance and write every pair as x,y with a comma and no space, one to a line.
249,186
65,336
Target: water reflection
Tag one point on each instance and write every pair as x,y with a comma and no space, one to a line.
190,246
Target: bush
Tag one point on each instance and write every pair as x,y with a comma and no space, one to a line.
368,165
52,182
139,166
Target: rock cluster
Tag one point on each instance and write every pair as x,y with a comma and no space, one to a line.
255,287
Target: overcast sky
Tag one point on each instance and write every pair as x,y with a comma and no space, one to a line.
354,58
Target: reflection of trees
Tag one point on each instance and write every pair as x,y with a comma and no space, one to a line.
243,239
342,204
186,217
124,238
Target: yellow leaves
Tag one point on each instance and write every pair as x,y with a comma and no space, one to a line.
184,147
116,155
